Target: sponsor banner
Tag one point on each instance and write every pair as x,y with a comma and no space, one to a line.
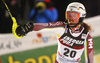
40,55
97,58
10,44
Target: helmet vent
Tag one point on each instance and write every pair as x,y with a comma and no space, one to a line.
81,8
73,6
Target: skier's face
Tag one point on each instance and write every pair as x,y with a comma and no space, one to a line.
72,17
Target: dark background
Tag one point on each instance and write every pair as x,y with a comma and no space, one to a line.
21,9
92,7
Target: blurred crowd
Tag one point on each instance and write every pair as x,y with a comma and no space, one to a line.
38,11
43,12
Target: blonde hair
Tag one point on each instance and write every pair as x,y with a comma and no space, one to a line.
86,26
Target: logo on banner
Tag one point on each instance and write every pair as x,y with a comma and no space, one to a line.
10,45
41,38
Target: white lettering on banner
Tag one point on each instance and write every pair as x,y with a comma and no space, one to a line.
71,41
90,43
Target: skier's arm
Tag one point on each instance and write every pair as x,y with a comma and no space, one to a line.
23,30
89,49
52,26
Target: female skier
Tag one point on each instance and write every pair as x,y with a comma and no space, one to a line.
72,35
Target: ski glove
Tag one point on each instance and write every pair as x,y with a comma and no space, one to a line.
23,30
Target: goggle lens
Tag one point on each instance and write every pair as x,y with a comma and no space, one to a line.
72,15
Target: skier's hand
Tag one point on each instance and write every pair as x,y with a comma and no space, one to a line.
23,30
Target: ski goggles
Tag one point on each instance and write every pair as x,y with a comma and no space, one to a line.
72,15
